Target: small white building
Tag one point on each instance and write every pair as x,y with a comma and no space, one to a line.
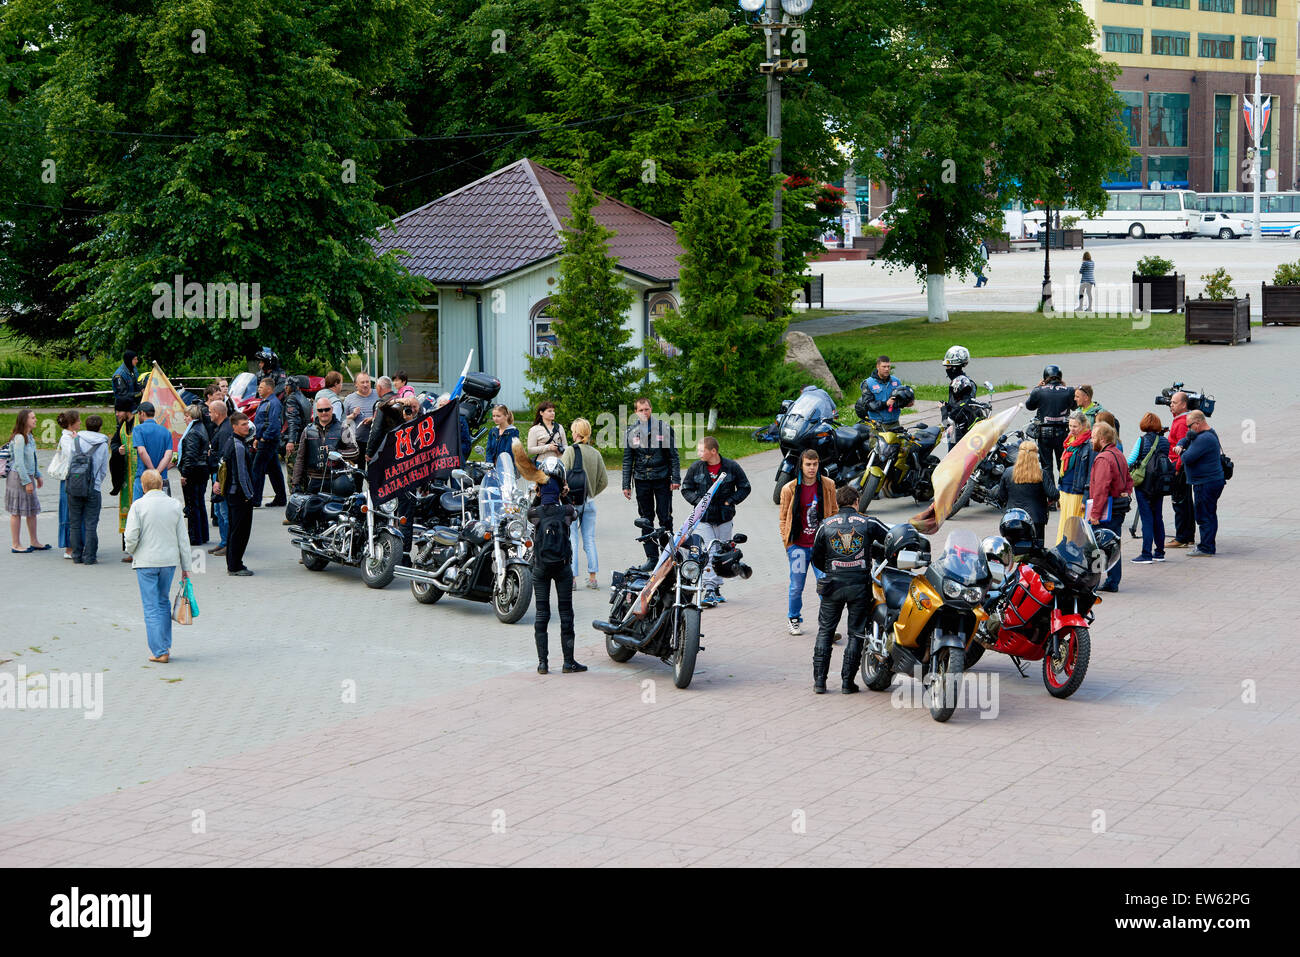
492,250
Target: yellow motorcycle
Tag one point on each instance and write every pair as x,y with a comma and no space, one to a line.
927,612
902,462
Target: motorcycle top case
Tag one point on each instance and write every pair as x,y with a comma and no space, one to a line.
304,507
480,385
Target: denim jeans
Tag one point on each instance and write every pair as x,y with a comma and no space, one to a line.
800,562
83,527
1207,512
222,511
583,530
63,514
711,533
1152,512
155,591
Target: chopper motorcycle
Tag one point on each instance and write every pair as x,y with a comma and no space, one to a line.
487,557
809,421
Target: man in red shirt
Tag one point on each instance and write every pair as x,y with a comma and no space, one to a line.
1111,489
805,503
1181,493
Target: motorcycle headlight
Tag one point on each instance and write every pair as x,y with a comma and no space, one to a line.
972,595
516,529
951,589
690,571
389,507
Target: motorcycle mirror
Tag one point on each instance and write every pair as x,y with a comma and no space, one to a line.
335,457
461,476
740,539
479,450
644,523
989,385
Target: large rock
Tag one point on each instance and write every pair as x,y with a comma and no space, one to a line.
803,352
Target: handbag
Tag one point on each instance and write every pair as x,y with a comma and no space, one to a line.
181,613
188,586
1139,474
58,467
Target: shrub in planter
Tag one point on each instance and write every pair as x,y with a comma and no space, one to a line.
1287,274
1152,266
1218,285
1280,302
872,231
1155,275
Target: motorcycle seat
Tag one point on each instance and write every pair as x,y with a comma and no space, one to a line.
927,435
848,437
896,584
451,501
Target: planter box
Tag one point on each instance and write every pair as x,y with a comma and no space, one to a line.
1167,292
1280,305
1061,238
869,244
1225,320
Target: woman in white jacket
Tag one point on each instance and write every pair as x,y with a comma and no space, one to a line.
157,541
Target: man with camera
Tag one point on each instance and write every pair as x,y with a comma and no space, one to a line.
1181,494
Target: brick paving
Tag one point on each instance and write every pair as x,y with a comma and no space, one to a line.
456,753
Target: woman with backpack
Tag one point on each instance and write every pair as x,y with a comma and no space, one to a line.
1152,474
21,483
546,437
58,469
587,478
195,475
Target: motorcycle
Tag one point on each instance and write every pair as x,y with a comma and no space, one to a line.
809,422
487,557
925,614
339,526
1044,610
658,613
902,462
982,486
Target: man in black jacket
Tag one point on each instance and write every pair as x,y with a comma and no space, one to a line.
126,386
715,523
219,445
1051,402
650,457
239,492
842,551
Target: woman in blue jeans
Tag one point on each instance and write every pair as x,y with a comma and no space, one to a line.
1150,496
158,541
805,502
596,480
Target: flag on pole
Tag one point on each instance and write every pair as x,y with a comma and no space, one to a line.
169,410
1248,111
460,383
951,474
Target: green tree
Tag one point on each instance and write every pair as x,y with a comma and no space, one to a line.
591,370
229,143
729,353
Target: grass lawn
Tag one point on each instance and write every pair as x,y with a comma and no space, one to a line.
1011,334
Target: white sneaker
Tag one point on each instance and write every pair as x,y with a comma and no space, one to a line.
794,627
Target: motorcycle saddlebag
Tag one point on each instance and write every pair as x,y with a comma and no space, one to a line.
303,507
480,385
1027,600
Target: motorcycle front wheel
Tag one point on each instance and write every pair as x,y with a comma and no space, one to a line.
512,599
782,481
1063,675
869,489
378,566
688,646
945,682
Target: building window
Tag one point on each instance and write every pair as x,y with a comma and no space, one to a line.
1133,2
1222,143
1216,46
1179,4
1167,119
660,306
1168,171
1126,177
544,338
1218,6
416,352
1123,40
1130,116
1248,48
1259,8
1165,43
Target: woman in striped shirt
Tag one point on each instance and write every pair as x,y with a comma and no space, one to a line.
1086,280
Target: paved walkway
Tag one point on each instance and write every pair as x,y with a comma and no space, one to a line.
1181,748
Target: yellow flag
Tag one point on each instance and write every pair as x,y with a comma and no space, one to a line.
951,474
169,410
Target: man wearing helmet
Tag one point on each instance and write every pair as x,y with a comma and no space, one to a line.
1051,403
268,367
551,518
961,394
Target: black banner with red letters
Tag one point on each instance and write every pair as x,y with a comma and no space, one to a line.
425,448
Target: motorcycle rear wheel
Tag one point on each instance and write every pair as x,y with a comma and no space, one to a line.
877,676
425,593
619,653
1074,665
869,489
945,685
963,497
378,568
313,562
512,600
688,646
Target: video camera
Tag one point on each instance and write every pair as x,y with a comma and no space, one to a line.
1196,401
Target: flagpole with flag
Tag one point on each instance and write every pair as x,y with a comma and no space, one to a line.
169,410
460,383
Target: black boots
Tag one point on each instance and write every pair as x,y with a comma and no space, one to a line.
570,667
852,661
821,665
542,668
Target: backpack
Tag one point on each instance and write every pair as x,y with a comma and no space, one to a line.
1139,472
1160,477
1226,464
551,537
577,479
81,471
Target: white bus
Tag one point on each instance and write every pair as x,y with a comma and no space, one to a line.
1138,213
1279,213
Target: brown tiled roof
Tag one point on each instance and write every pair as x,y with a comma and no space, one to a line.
511,219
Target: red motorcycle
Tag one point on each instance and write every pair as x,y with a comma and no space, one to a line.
1044,609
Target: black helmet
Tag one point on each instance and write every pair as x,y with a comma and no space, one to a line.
1108,542
903,397
1051,372
267,355
1018,529
963,389
904,538
552,466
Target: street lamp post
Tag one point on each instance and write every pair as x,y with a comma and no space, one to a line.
1257,128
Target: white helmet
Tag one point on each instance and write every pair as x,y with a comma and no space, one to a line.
956,356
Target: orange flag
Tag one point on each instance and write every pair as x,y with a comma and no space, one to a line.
951,474
169,410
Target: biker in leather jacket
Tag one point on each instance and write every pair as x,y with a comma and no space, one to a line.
1051,402
324,435
877,389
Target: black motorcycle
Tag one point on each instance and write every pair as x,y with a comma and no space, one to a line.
809,422
487,555
982,486
658,613
336,525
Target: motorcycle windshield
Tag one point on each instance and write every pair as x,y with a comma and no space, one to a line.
499,493
962,560
1079,554
812,405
